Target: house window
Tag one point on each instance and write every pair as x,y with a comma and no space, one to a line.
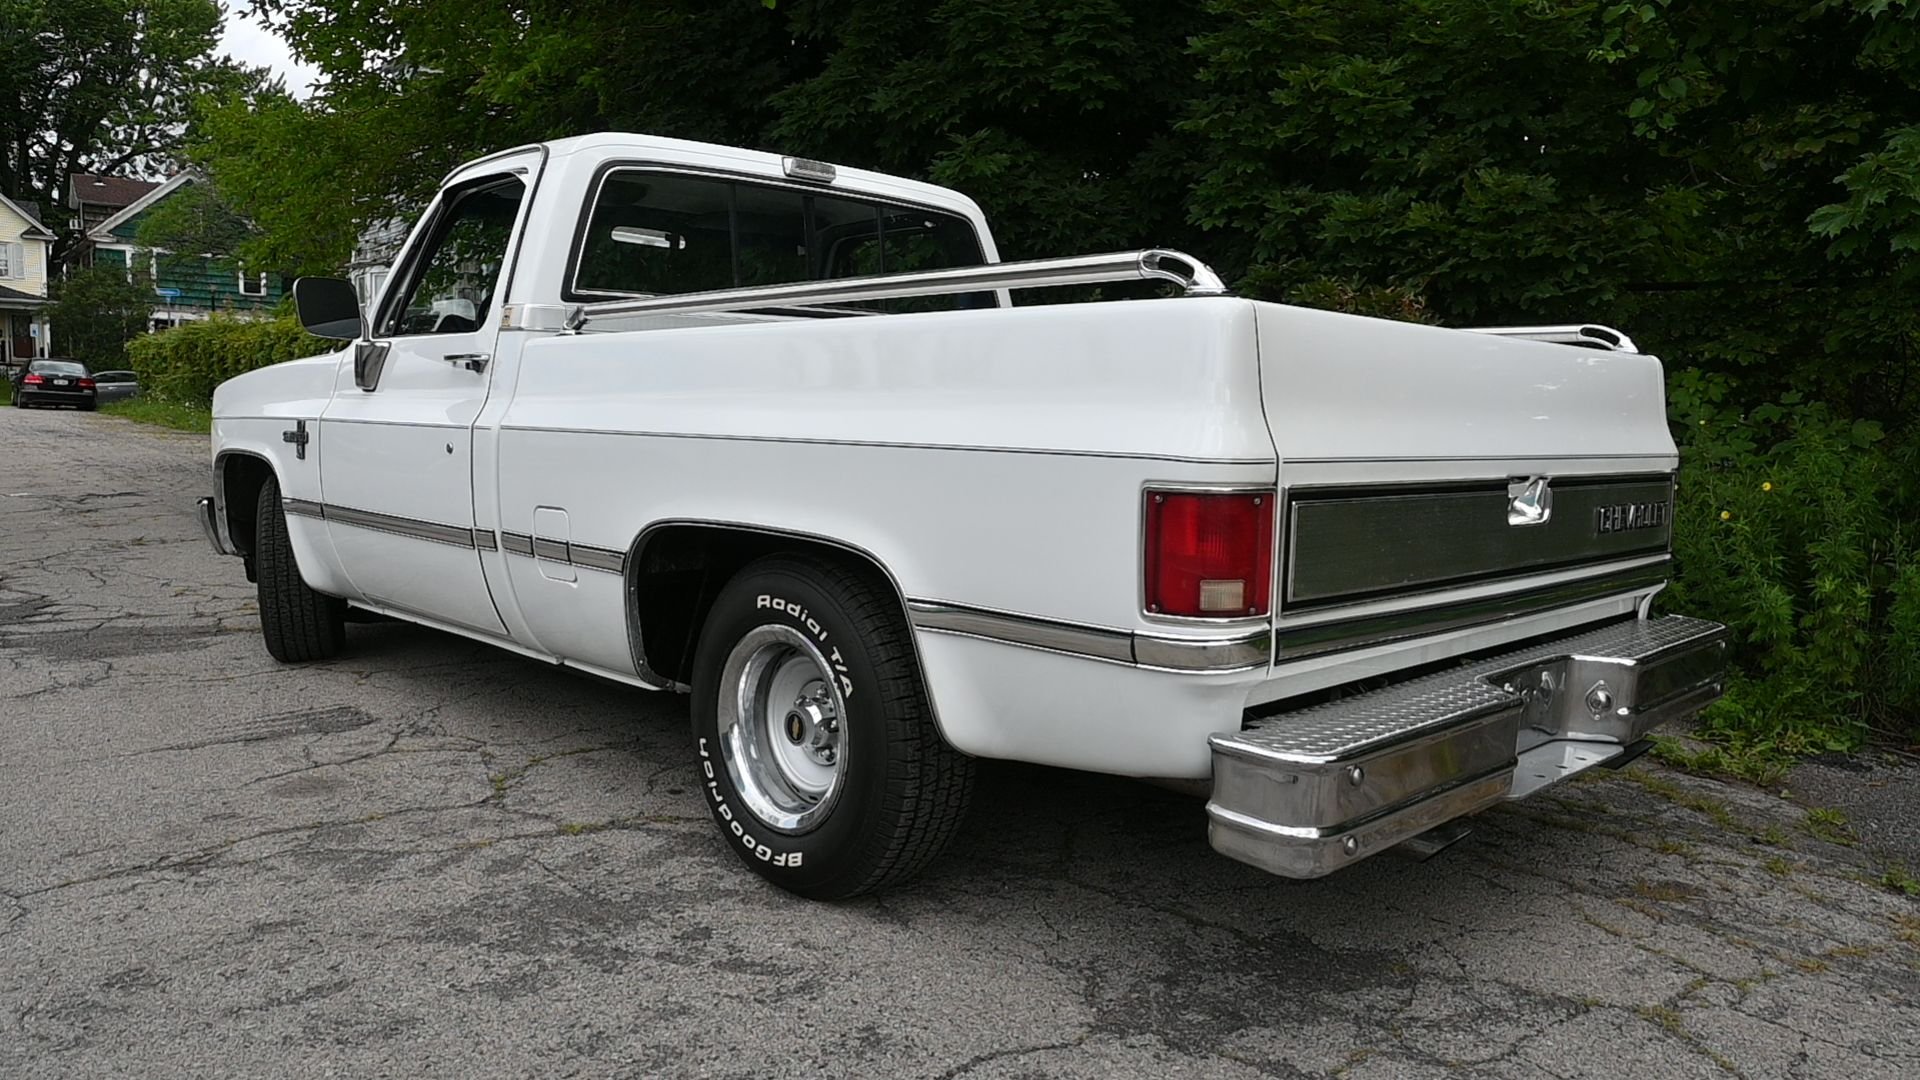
6,260
259,287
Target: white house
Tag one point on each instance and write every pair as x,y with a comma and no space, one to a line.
24,247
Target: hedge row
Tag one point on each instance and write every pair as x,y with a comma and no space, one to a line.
185,363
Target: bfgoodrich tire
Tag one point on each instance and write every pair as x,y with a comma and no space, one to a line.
298,623
819,756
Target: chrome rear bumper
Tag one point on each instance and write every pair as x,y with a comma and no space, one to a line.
1304,793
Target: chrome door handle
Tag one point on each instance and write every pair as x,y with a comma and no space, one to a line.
472,361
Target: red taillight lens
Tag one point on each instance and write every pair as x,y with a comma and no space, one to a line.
1209,555
86,384
33,380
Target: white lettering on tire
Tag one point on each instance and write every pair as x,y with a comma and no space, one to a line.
788,859
812,625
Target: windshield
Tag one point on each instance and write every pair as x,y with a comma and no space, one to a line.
56,367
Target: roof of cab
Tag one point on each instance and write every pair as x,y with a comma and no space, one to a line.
757,162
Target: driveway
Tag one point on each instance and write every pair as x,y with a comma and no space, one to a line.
429,858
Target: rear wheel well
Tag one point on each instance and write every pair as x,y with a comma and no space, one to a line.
678,570
241,478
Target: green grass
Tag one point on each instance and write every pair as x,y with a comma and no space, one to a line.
1899,879
1829,825
1755,766
167,414
6,391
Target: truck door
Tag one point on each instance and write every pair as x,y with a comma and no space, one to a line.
397,439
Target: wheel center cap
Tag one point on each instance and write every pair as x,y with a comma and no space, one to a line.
796,728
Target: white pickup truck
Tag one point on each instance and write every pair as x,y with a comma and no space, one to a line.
773,432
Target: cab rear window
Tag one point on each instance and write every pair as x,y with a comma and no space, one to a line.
654,233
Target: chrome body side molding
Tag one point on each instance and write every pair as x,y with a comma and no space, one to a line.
1247,647
458,536
1152,264
1240,651
581,555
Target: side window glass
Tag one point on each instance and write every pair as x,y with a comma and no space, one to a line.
450,289
657,233
899,241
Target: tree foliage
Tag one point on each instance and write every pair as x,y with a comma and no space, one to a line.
192,230
1724,179
1060,118
102,86
193,219
96,311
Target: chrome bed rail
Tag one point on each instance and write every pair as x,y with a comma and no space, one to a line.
1585,335
1152,264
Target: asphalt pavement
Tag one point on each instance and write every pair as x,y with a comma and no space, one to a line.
429,858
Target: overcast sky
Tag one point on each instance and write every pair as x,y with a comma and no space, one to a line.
247,41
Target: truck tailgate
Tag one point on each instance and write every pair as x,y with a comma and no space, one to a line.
1443,482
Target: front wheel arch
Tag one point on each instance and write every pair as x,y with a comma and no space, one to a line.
239,475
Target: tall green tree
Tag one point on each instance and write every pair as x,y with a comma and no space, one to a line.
100,86
96,311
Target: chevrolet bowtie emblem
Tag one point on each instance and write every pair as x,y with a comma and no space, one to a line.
1529,501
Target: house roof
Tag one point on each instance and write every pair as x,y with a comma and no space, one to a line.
103,232
15,296
114,191
35,230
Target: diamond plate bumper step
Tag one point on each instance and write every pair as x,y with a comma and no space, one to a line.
1307,792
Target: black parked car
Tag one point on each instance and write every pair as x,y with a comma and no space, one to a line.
54,382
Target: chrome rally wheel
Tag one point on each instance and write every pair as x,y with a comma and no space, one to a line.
781,734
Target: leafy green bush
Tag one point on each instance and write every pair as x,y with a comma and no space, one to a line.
1800,529
185,363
